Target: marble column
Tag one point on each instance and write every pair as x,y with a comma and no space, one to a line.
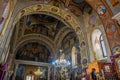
16,67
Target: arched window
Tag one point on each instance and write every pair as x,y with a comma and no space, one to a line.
98,44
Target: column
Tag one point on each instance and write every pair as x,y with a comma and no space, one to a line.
48,72
54,73
16,67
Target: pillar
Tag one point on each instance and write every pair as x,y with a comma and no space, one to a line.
16,67
48,72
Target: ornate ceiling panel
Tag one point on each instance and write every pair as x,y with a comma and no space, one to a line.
41,24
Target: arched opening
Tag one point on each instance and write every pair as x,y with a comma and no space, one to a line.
98,45
44,29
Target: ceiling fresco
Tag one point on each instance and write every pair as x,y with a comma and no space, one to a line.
69,40
67,18
41,24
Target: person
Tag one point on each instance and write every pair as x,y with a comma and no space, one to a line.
93,74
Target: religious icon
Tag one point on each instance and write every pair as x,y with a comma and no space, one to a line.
68,17
92,20
39,7
107,68
110,29
101,9
84,62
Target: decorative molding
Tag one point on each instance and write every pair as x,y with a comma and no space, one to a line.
32,63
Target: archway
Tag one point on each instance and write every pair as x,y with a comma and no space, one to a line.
27,35
56,12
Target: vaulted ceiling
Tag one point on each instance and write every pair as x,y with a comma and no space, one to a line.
46,30
50,33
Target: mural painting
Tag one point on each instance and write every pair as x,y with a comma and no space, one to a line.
92,20
101,9
35,25
20,74
112,34
96,44
78,56
84,62
110,29
33,52
83,48
20,28
69,40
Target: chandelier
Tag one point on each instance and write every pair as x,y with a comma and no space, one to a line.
61,62
38,72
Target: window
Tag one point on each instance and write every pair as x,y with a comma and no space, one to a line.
98,44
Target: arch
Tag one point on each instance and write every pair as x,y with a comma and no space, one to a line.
99,48
67,18
64,16
62,33
35,39
34,48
